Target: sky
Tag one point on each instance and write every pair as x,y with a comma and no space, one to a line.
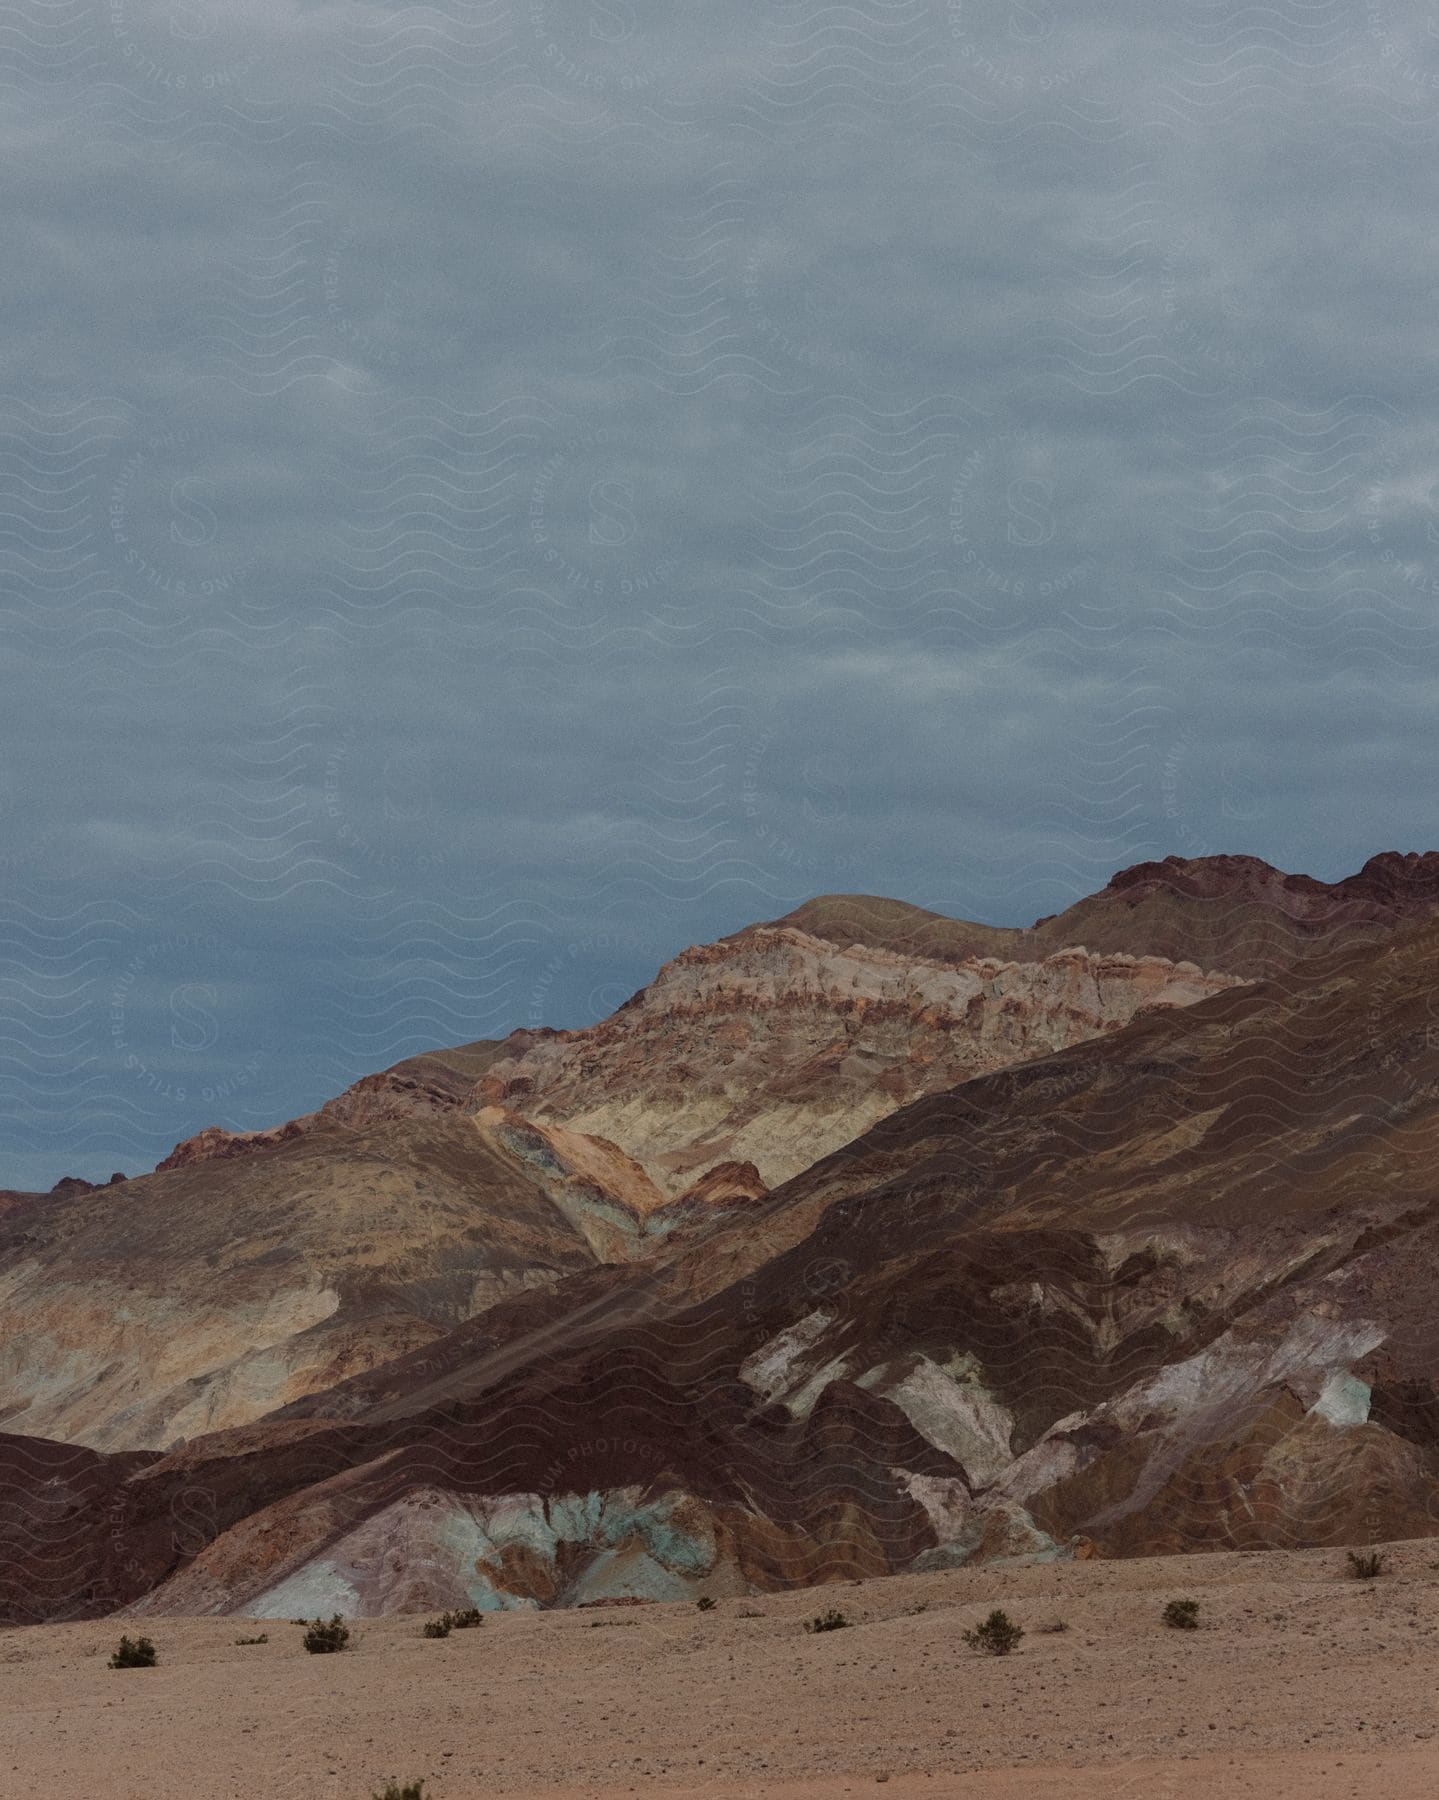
493,493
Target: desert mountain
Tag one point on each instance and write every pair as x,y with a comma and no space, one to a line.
1168,1287
776,1047
779,1043
1235,913
251,1269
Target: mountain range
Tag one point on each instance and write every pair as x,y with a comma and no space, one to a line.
862,1240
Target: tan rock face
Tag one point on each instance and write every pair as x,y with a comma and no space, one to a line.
204,1296
776,1047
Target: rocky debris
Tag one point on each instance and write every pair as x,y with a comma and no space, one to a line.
76,1184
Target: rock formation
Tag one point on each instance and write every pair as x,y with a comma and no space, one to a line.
1126,1256
775,1047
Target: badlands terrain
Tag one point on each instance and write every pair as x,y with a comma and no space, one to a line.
864,1242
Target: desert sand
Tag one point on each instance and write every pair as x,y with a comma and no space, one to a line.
1301,1681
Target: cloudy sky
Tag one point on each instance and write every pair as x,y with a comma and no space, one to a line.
497,491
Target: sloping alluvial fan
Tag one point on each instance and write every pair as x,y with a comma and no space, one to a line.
1167,1287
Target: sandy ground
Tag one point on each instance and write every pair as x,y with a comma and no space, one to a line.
1301,1682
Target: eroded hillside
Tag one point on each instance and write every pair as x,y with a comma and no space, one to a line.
1170,1288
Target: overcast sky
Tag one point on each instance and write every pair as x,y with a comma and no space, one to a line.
495,492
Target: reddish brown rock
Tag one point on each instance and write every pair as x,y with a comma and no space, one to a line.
726,1184
215,1144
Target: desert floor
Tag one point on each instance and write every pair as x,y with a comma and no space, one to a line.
1300,1682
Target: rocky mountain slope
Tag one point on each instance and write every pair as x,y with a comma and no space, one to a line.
1224,912
251,1269
776,1047
208,1294
778,1044
1166,1288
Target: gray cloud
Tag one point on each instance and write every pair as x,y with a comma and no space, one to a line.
496,494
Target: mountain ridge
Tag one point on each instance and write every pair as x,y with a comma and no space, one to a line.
1159,1283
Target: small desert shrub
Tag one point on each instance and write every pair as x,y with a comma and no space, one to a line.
705,1604
263,1638
454,1621
322,1639
412,1790
447,1622
1364,1565
833,1620
1182,1615
134,1653
1054,1625
998,1634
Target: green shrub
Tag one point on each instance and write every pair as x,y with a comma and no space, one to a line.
322,1639
465,1620
412,1790
1182,1615
263,1638
705,1604
1364,1565
134,1653
997,1635
833,1620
